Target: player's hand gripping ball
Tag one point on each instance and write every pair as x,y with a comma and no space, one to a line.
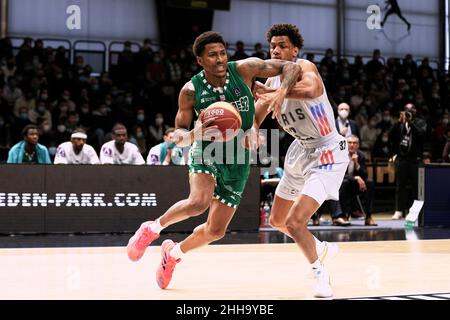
227,119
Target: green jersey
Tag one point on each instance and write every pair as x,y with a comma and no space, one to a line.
236,92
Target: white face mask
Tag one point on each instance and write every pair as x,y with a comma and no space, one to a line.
343,114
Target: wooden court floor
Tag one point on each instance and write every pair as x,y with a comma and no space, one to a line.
222,272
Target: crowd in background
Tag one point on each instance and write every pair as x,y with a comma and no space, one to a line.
39,85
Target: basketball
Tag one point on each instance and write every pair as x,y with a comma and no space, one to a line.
228,120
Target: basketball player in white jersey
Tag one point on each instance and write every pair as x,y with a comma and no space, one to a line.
317,159
119,150
76,151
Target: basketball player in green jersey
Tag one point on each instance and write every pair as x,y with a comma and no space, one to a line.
212,185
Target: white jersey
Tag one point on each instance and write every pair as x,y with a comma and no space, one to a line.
66,155
309,121
110,155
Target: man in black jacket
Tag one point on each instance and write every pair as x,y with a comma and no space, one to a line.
345,126
407,138
356,190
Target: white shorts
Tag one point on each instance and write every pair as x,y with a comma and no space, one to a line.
315,172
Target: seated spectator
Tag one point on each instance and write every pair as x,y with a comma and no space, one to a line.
369,135
5,139
259,52
426,158
40,113
356,191
239,54
381,148
166,153
446,151
29,151
138,137
386,122
345,126
76,151
119,150
157,130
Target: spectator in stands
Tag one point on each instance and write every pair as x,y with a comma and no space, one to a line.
76,151
156,130
426,158
356,192
26,101
356,189
29,151
138,138
12,92
126,64
40,113
345,126
386,121
407,141
446,151
9,69
369,134
328,62
439,136
310,57
119,150
259,52
381,148
239,54
144,57
47,134
61,59
6,48
5,138
166,153
374,65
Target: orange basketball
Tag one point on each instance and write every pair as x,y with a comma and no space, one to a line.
228,120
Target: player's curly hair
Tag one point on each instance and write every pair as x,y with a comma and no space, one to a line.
286,29
206,38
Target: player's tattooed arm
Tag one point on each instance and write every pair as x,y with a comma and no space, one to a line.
185,114
184,137
257,68
290,73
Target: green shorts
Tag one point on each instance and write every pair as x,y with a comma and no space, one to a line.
230,180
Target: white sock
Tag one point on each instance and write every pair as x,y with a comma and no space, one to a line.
320,246
176,252
156,226
317,265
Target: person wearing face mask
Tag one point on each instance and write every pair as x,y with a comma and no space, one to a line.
345,126
382,146
26,101
29,151
139,138
40,112
386,121
407,146
76,151
163,153
156,131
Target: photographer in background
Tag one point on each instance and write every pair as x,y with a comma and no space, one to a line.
407,138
